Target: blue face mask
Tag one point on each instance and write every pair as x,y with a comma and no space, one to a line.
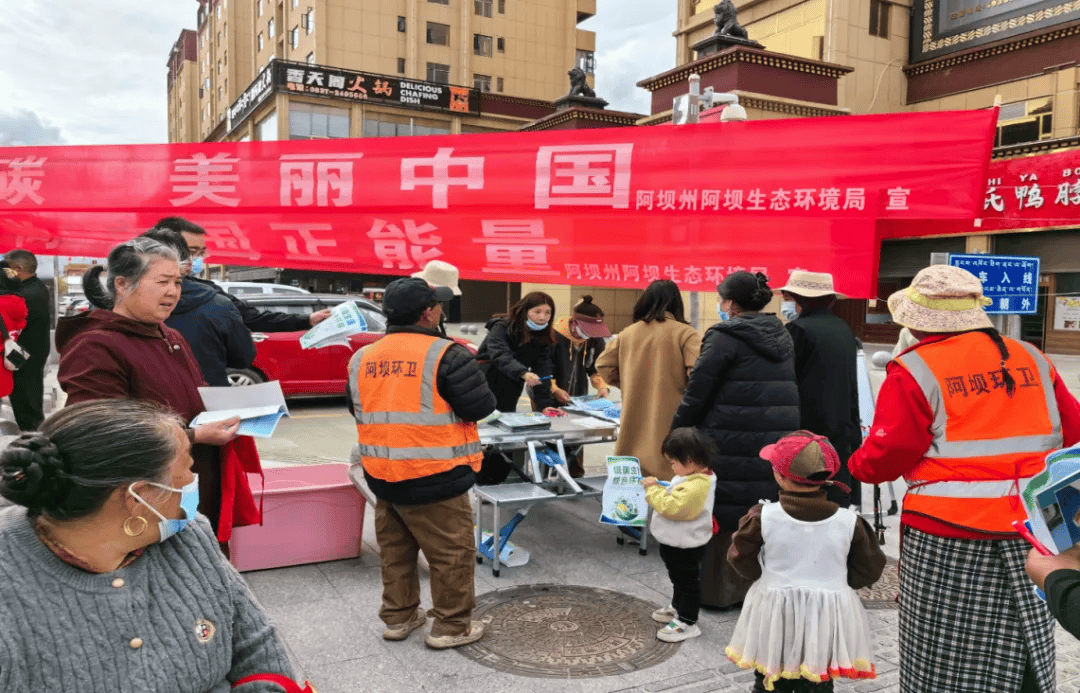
534,326
724,317
197,266
788,310
189,503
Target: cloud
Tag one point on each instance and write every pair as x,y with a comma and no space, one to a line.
95,73
25,128
633,41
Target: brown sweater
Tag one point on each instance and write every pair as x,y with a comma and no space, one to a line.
865,559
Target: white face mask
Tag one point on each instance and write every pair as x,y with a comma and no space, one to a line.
189,503
789,309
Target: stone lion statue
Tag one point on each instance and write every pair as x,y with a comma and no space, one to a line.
578,84
724,16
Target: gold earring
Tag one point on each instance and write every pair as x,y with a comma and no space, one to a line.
142,528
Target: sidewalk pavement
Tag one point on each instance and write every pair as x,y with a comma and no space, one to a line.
327,613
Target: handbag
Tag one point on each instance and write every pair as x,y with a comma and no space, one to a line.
15,357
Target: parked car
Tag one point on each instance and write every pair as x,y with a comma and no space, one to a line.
246,289
78,305
308,372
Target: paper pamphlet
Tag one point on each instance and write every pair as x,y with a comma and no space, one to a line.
345,320
596,406
259,407
522,422
1052,500
624,497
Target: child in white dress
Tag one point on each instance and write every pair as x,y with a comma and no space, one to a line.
802,623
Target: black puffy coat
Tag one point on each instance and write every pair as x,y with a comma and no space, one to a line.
742,393
505,360
214,331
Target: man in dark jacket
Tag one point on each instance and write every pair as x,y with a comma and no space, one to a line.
420,451
208,321
256,320
29,391
826,354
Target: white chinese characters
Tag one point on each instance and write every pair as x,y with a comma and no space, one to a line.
21,180
588,174
201,177
317,179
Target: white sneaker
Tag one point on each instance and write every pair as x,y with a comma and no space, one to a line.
665,614
677,631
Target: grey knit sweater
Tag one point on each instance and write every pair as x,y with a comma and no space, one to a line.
179,619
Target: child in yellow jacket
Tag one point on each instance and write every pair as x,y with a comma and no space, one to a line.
682,523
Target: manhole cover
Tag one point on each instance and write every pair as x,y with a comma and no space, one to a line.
563,631
882,594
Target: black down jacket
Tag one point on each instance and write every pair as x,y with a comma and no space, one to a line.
742,393
214,330
505,361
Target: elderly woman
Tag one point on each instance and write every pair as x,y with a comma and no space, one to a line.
650,362
125,350
743,395
966,416
112,583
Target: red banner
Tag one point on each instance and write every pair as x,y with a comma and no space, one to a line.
1032,192
617,207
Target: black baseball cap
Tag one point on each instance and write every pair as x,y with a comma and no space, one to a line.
409,296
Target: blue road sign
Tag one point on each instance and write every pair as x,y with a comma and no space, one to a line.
1012,282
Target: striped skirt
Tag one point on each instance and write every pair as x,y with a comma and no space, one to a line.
969,617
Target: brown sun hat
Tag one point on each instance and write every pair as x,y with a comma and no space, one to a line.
941,299
810,285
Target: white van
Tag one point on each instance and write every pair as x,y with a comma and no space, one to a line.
258,288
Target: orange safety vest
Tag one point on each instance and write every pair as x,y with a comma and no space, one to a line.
986,444
405,430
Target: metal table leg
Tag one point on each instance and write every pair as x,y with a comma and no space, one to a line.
495,538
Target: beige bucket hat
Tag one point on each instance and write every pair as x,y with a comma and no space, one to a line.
941,299
810,284
439,273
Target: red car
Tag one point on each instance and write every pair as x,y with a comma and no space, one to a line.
308,371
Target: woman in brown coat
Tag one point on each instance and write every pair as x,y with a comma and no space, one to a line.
650,361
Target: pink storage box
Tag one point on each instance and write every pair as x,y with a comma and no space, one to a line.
311,513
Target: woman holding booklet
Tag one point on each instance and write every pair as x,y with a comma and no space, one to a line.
967,417
123,350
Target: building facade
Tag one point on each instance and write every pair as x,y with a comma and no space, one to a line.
319,69
923,55
183,88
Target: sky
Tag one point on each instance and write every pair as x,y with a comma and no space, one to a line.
94,72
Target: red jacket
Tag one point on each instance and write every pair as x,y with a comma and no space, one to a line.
901,436
104,355
13,313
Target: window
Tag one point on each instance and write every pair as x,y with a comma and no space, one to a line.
879,18
307,21
1025,121
499,84
308,122
311,58
482,7
295,3
501,45
439,2
375,127
586,60
439,34
219,38
401,24
294,37
258,8
437,72
219,67
206,84
266,129
270,28
502,6
401,66
481,82
219,93
259,41
481,45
